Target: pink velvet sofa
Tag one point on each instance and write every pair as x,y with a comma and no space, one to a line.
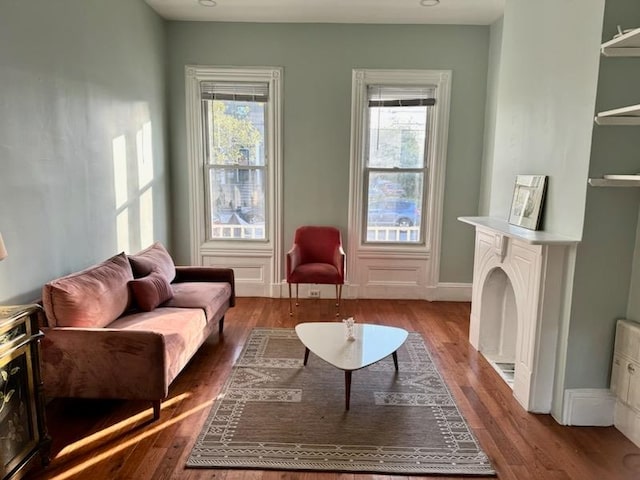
126,327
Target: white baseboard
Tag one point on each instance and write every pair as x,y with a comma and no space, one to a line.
449,292
304,290
444,292
588,407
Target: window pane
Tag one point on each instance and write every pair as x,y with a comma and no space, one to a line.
237,197
397,137
394,207
236,132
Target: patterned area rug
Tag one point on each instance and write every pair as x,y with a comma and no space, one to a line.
275,413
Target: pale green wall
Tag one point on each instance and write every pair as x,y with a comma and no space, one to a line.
633,305
493,77
605,256
623,77
318,60
74,75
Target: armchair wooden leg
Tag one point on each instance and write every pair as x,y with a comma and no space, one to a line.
297,302
290,306
338,297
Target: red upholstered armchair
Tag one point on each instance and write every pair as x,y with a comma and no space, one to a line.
316,257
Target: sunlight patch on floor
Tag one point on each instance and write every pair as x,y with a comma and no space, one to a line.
106,455
125,424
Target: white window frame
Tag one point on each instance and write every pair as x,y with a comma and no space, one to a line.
263,250
429,249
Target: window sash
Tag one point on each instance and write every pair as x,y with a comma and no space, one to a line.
394,219
231,203
210,156
370,160
401,208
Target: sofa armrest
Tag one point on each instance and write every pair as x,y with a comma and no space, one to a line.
103,363
207,274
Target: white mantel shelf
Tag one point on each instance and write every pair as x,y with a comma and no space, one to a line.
532,237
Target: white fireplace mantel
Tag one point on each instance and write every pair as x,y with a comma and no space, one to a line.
532,237
516,305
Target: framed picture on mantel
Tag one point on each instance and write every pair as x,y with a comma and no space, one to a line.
528,200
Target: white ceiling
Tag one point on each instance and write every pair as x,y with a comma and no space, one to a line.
464,12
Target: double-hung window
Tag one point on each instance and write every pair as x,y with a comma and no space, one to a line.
234,150
399,122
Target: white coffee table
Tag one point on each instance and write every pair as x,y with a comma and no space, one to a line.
328,340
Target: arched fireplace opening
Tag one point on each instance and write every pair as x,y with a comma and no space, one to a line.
499,320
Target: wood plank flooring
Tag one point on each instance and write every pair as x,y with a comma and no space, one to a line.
116,440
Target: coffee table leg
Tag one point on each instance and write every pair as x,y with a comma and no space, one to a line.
306,356
395,359
347,388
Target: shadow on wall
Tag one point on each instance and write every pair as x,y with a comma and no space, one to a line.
133,182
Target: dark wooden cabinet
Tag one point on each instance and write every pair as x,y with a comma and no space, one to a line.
23,430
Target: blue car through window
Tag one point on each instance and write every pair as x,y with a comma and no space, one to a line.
393,212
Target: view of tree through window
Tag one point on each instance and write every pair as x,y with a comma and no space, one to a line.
395,165
235,160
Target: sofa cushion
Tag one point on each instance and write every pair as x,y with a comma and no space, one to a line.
208,296
150,291
182,330
93,297
153,258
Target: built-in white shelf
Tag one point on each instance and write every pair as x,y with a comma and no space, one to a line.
620,116
608,182
627,45
532,237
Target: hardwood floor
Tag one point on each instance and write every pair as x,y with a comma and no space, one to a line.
116,440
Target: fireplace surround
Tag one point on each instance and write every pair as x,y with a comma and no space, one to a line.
516,305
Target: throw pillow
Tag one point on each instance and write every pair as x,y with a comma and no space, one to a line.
151,291
94,297
153,258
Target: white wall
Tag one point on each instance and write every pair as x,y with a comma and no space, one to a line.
547,83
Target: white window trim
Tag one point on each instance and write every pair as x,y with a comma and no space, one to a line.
438,134
199,246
